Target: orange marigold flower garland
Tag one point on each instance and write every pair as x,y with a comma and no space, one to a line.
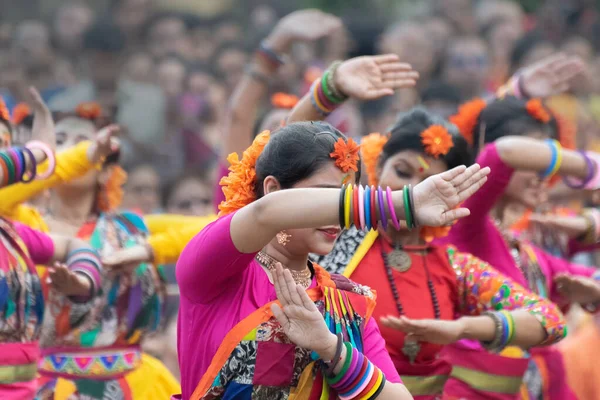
110,196
4,114
536,109
20,112
436,140
89,110
466,118
284,100
371,147
346,154
239,185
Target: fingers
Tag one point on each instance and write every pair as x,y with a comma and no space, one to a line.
469,173
453,173
292,288
395,66
377,93
280,315
306,301
386,58
473,179
568,68
36,98
452,215
278,283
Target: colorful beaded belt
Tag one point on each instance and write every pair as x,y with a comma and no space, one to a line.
99,364
17,373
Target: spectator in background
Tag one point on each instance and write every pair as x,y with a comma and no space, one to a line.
73,18
189,194
140,68
139,108
441,99
131,16
142,190
466,66
226,30
167,35
459,12
530,48
230,60
170,76
501,36
203,45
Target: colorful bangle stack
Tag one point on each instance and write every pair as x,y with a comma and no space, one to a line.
358,378
14,163
505,330
593,233
269,55
365,207
514,87
36,144
556,160
326,97
87,262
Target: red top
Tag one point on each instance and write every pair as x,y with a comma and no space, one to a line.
415,299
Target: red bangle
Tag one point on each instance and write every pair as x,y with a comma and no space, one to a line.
356,215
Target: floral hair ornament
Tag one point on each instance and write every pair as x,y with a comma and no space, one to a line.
4,114
239,186
20,112
466,118
89,110
284,100
536,109
436,140
110,196
371,147
346,154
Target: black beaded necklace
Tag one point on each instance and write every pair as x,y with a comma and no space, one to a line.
410,349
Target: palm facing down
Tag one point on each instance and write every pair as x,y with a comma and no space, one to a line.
371,77
426,330
300,319
437,197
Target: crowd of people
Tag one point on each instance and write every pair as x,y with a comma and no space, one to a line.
295,205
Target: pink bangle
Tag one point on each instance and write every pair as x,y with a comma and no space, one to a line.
361,206
36,144
395,220
594,183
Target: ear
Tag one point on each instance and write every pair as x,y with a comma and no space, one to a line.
270,185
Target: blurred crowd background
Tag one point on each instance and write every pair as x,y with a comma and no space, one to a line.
168,67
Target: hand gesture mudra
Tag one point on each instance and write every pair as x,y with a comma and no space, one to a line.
372,77
551,75
67,282
437,197
307,25
299,317
43,124
577,289
126,260
426,330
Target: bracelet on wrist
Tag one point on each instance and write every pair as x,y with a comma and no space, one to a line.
365,207
555,161
36,144
591,169
270,55
504,326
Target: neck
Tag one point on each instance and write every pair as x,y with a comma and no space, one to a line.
72,204
287,260
403,237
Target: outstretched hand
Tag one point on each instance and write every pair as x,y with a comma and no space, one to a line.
426,330
578,289
572,226
372,77
437,197
299,317
43,124
105,144
306,25
67,282
552,75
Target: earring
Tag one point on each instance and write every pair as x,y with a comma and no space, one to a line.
283,238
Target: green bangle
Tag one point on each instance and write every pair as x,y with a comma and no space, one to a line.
327,90
340,375
407,211
9,165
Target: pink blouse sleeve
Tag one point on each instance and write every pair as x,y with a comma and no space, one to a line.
222,171
210,263
39,245
374,349
482,202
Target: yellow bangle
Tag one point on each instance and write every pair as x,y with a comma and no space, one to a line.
318,102
559,158
347,206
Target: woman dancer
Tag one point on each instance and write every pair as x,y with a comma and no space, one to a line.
288,207
419,146
519,167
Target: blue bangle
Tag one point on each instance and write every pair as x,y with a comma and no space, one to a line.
276,58
505,329
553,160
368,208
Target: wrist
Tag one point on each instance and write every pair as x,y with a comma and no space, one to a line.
327,351
481,328
278,42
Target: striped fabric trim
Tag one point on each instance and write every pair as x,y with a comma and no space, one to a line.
425,385
488,382
17,373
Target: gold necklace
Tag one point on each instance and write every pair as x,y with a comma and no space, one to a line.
302,278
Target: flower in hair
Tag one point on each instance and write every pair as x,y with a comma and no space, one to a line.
110,196
4,114
239,186
436,140
20,112
346,154
89,110
536,109
284,100
371,147
466,118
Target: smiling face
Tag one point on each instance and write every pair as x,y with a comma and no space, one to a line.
313,240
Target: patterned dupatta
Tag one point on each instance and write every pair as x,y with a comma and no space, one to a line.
128,305
257,361
21,297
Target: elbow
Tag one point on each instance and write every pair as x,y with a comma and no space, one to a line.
552,321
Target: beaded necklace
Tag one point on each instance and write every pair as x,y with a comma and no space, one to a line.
411,349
